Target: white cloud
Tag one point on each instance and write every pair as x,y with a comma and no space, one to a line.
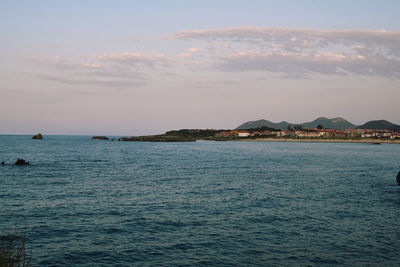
305,64
298,38
280,51
301,51
135,59
129,68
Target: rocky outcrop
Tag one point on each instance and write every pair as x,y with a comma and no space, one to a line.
398,178
159,138
100,138
21,162
37,136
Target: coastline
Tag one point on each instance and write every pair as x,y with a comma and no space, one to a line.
309,140
187,138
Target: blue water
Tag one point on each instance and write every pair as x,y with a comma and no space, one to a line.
103,203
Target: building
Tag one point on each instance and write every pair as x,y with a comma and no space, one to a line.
243,134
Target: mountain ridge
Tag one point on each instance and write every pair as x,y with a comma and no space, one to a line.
337,123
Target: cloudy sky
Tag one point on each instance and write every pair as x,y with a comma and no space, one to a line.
143,67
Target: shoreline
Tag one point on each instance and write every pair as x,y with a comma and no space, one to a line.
308,140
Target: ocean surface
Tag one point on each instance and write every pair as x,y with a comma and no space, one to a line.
101,203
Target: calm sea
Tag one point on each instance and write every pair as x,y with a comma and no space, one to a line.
103,203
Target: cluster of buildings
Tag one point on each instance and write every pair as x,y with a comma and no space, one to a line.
315,133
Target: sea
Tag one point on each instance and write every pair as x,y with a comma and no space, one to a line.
90,202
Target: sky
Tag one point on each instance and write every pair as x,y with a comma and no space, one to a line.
146,67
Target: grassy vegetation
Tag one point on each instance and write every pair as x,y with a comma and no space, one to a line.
13,250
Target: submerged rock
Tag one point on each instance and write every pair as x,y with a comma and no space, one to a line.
21,162
100,138
398,178
37,136
3,163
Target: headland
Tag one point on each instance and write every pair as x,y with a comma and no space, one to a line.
271,135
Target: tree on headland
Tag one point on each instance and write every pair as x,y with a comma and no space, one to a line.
320,127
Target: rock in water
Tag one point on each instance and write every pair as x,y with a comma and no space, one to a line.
38,136
21,162
398,178
3,163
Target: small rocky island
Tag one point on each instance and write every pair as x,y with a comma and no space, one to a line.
21,162
37,136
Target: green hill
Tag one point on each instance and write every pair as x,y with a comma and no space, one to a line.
380,125
335,123
263,123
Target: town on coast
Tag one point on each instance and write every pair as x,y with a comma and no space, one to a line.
315,133
267,134
338,130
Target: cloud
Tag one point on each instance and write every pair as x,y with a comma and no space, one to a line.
132,59
302,52
61,63
268,51
106,82
127,59
116,69
305,64
194,50
295,38
185,55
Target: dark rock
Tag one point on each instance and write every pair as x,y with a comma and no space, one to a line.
38,136
159,138
3,163
100,138
21,162
398,178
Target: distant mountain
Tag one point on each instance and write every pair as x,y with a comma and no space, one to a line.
263,123
335,123
380,125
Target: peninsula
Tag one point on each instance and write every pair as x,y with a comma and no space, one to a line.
340,130
263,134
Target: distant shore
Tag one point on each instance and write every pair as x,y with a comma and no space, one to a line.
310,140
329,136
